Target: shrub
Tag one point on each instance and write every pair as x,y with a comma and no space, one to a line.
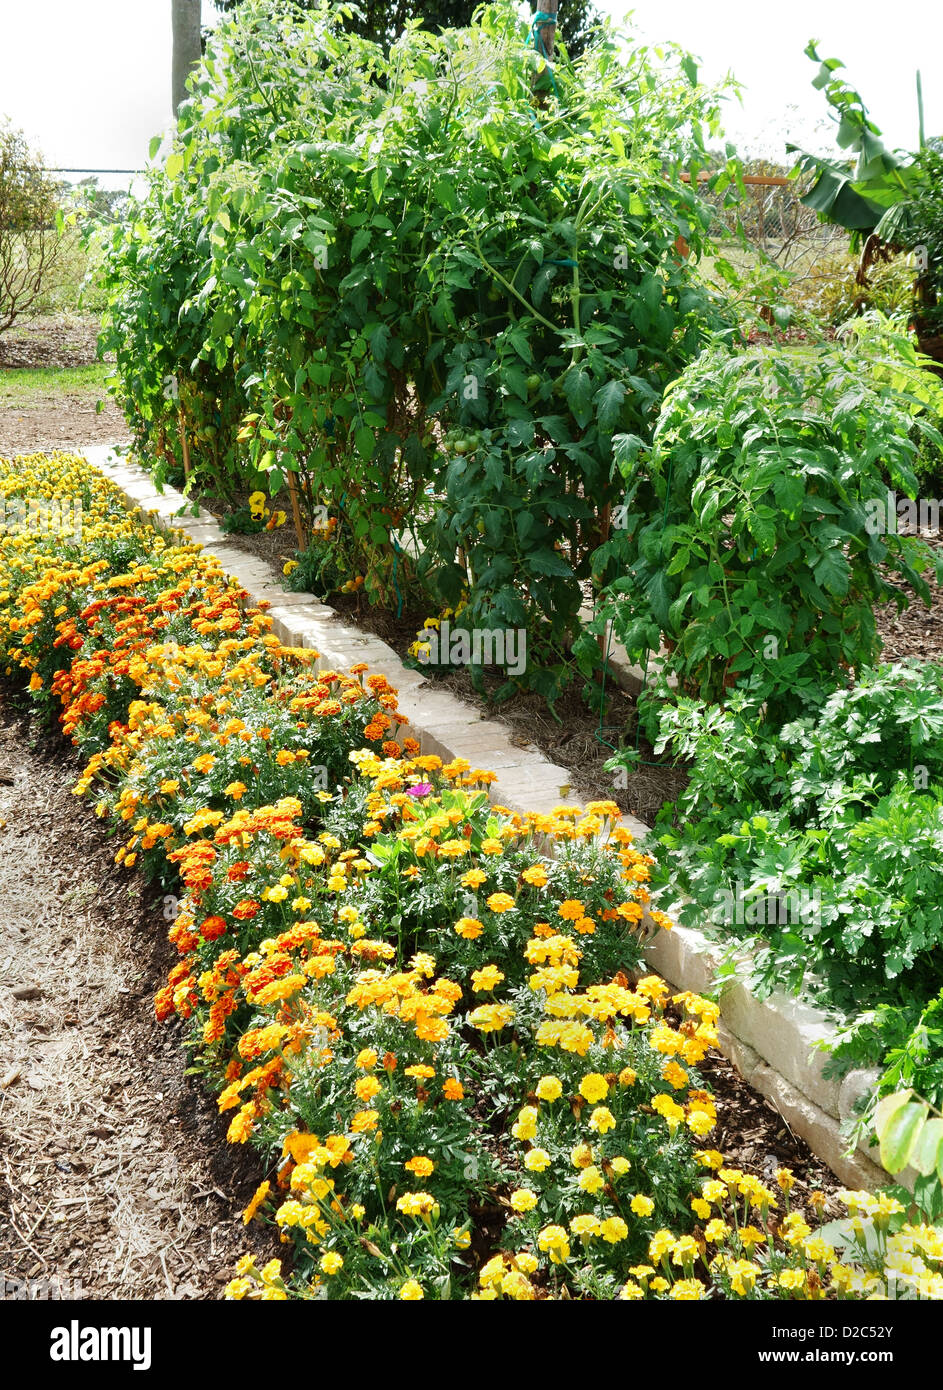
30,229
754,538
424,302
831,826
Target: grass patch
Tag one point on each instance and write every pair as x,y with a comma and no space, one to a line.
23,387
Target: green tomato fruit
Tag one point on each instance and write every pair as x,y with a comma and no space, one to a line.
533,382
461,446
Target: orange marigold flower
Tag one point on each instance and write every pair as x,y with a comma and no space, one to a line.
258,1198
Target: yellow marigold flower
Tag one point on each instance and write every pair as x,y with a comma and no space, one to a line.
536,876
742,1276
331,1263
710,1158
490,1018
613,1230
688,1289
367,1087
581,1156
364,1121
237,1289
526,1262
594,1087
700,1208
461,1238
700,1123
631,1291
751,1236
549,1088
791,1279
591,1180
554,1242
491,846
714,1191
715,1230
523,1200
515,1285
674,1074
486,979
366,1059
492,1271
627,1077
785,1179
571,910
584,1226
602,1120
641,1205
500,902
417,1204
469,928
411,1292
525,1127
473,879
536,1160
659,1245
620,1166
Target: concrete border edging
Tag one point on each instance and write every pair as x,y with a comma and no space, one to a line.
772,1042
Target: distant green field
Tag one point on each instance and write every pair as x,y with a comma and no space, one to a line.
22,387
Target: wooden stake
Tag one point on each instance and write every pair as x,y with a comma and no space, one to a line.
296,512
184,445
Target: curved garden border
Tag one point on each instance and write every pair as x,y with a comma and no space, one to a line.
774,1043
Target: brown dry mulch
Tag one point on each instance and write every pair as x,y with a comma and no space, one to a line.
917,631
114,1166
753,1136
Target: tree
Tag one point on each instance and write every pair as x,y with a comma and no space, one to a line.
30,241
385,21
187,44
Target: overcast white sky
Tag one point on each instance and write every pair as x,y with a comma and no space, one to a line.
89,80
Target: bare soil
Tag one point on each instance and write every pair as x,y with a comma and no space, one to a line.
57,419
114,1166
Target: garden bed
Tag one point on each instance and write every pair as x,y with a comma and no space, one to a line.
773,1041
172,663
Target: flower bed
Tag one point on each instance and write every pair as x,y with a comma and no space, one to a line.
425,1012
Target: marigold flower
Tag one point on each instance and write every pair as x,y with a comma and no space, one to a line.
411,1292
420,1165
613,1230
585,1226
523,1200
594,1087
536,1160
500,902
642,1205
549,1088
554,1242
258,1198
486,979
